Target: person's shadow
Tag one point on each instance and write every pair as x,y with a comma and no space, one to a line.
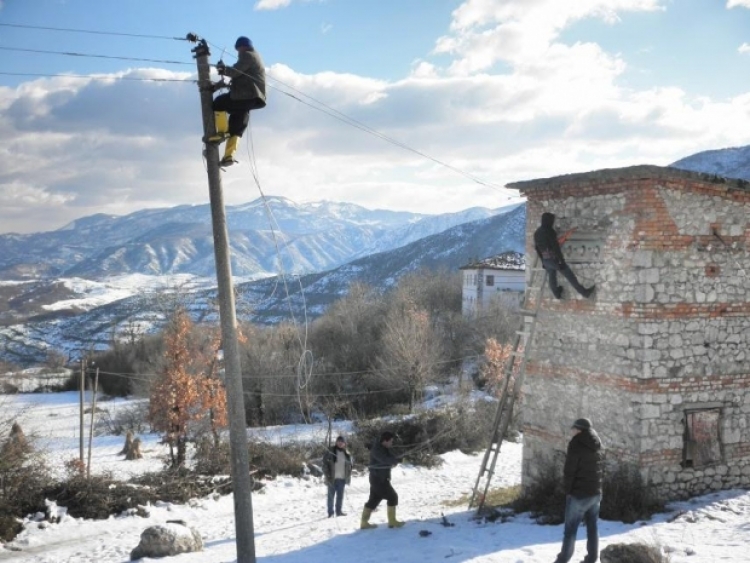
466,540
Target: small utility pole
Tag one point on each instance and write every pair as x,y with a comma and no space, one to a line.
91,428
241,479
82,387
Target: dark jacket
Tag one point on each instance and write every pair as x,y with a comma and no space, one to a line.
248,78
545,240
584,465
381,461
329,465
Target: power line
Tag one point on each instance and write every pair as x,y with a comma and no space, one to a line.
317,104
91,55
92,31
94,77
274,376
332,112
367,129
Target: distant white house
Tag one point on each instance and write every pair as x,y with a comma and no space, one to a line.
498,278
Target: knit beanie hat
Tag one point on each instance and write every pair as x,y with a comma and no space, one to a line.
243,41
582,424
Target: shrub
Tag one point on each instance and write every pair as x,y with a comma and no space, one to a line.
545,498
23,478
266,460
626,498
120,420
270,460
10,527
423,437
212,459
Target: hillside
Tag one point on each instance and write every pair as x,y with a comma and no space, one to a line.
72,330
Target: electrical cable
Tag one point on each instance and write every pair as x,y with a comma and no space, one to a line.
317,105
94,77
276,376
90,55
328,110
91,31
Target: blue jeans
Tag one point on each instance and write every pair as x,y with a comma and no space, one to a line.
577,510
336,489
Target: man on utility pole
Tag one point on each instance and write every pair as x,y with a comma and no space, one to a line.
247,91
241,479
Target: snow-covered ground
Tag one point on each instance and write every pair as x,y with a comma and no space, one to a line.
290,520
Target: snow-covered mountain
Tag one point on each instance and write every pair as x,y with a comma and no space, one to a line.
730,163
70,300
264,301
309,237
179,240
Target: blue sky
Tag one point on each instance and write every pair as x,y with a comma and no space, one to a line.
502,90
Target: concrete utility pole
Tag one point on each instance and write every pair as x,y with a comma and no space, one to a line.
241,479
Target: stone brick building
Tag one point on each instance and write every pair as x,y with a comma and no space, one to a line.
658,358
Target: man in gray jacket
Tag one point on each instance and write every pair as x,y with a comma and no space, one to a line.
381,461
337,471
247,91
583,474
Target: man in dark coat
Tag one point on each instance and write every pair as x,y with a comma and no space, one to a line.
583,473
548,248
381,461
247,91
337,470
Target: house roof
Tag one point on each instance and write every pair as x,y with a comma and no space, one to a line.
641,172
506,261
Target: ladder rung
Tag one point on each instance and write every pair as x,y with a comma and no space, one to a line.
538,270
517,353
527,312
523,333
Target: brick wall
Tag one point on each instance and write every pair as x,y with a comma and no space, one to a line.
666,332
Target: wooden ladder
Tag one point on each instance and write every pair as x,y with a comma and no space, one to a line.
508,395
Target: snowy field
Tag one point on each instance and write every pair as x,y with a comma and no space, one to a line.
290,517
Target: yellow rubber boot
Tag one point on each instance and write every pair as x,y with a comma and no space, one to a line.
392,522
364,524
221,121
229,150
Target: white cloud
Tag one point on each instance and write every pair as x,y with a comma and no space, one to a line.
744,48
272,4
276,4
484,32
738,4
77,147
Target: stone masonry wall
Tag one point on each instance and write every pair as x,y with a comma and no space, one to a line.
667,331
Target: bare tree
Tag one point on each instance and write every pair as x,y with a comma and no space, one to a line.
270,364
410,353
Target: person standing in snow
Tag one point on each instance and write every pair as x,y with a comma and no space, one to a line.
583,474
337,470
247,91
547,246
381,462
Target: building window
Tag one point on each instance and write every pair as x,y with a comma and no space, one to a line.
490,280
702,437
